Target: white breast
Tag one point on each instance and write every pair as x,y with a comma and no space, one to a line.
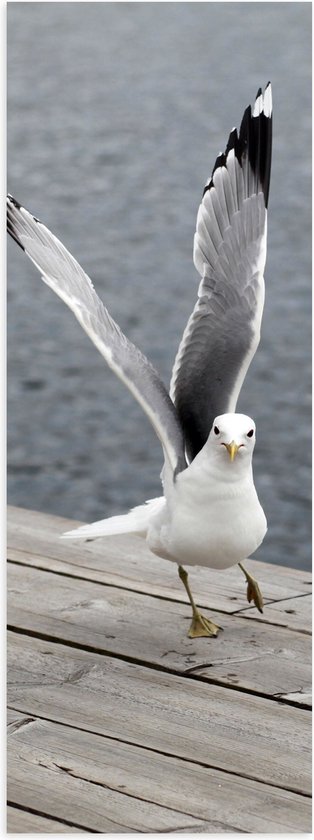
212,523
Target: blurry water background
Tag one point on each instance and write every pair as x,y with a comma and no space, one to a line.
116,112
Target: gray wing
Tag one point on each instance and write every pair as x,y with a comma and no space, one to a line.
65,276
223,331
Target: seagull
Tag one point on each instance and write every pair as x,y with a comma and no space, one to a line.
209,514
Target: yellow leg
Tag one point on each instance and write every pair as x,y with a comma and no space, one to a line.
253,592
200,625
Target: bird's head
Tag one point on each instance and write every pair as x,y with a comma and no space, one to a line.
232,438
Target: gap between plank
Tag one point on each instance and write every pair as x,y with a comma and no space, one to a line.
178,600
51,817
177,757
45,637
243,610
74,775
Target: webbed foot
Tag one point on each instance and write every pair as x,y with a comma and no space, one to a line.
201,626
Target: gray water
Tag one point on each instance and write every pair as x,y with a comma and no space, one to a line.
116,113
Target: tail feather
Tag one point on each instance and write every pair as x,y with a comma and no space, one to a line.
134,522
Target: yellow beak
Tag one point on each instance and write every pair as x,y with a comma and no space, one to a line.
232,449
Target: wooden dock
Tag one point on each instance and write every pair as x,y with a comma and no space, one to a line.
118,723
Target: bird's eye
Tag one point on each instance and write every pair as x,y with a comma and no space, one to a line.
216,430
250,433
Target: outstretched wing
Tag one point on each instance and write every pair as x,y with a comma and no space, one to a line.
223,331
65,276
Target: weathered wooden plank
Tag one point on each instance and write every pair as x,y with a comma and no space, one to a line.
295,613
203,828
32,783
126,562
227,730
151,779
301,697
15,721
287,613
24,822
14,717
254,656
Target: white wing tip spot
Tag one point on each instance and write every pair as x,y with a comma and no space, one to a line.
258,106
268,104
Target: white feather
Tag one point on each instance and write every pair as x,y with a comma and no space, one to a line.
135,522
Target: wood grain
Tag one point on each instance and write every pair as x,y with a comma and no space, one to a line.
295,613
127,775
24,822
119,723
226,730
151,630
85,803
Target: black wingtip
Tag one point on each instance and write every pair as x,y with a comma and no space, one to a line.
232,140
254,139
13,203
12,200
256,136
220,161
235,143
262,127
